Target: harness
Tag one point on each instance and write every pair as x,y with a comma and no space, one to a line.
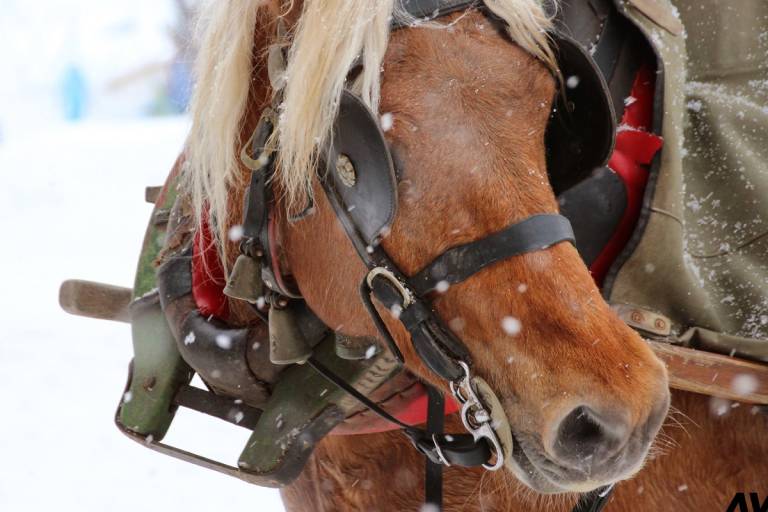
288,406
361,186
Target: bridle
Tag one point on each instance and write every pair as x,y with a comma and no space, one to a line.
361,186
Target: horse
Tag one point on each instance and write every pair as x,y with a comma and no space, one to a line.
467,106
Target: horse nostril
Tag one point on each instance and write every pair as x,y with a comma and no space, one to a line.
585,438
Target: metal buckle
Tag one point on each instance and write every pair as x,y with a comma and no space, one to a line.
389,276
264,130
475,416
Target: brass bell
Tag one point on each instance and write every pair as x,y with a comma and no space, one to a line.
244,281
287,345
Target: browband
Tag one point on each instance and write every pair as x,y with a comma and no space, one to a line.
427,10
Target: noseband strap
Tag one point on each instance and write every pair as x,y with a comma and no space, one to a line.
460,263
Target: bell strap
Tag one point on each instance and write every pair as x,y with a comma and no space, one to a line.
460,263
260,161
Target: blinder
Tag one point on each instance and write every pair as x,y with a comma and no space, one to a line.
360,166
582,128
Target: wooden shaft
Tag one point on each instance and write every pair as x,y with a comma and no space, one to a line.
95,300
714,374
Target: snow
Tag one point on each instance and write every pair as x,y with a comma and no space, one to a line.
572,82
224,341
744,384
511,325
236,233
71,206
386,122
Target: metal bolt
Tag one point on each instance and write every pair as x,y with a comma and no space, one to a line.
149,383
346,170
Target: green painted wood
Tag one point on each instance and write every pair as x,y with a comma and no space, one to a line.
158,368
303,408
158,372
154,239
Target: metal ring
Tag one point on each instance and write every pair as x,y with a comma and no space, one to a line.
389,276
439,451
499,454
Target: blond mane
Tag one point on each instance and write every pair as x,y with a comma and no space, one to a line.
329,38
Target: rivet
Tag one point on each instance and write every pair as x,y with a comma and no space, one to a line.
636,317
346,170
660,324
149,383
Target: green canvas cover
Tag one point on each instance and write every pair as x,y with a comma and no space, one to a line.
702,258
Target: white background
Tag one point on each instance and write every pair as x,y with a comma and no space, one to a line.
71,206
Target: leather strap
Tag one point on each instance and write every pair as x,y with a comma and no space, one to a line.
594,501
458,449
427,10
255,211
433,475
460,263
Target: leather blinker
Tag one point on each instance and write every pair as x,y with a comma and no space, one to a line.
582,128
361,170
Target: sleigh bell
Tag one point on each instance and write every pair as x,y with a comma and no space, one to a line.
287,344
245,281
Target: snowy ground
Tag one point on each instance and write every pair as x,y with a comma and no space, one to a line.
71,205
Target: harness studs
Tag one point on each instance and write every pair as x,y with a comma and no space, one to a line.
346,170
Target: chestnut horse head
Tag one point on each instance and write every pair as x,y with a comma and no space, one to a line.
466,111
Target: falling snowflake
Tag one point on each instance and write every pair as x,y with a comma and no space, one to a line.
386,122
511,325
224,341
744,384
235,233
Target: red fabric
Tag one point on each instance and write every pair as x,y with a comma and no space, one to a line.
207,274
411,409
635,148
